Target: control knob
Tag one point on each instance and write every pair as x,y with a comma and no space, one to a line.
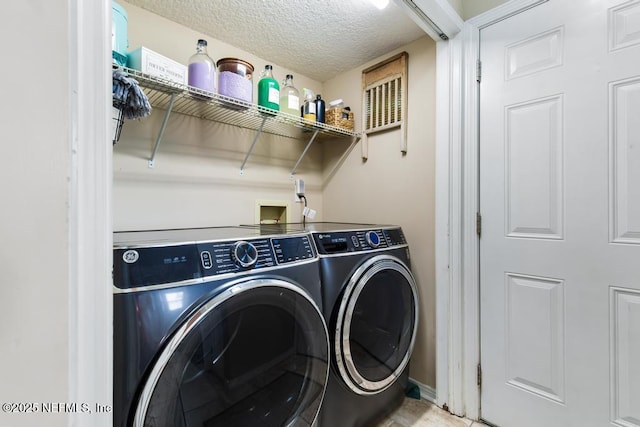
244,254
372,239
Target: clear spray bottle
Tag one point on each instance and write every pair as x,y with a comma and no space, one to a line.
309,106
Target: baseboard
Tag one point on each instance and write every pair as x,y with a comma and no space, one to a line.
426,392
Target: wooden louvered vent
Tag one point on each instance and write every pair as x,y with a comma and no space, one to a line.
384,99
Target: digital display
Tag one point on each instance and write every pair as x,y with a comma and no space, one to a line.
333,243
335,246
395,236
292,249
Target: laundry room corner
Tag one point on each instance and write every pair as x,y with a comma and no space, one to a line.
392,187
197,167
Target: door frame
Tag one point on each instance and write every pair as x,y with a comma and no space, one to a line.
457,207
90,309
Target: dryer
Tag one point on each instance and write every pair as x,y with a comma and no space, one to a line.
370,302
217,326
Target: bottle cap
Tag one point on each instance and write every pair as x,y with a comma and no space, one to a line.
307,93
202,42
268,67
289,76
318,97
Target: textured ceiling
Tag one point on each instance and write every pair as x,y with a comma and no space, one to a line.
316,38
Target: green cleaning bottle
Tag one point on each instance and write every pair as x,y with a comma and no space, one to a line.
268,90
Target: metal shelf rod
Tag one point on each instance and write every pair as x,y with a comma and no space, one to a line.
293,171
253,144
162,128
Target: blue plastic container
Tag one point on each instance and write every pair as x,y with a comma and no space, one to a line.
119,36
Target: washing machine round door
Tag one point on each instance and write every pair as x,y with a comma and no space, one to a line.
256,354
376,325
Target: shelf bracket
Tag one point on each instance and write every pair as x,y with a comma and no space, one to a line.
162,128
253,144
315,133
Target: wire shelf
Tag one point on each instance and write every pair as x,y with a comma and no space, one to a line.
187,100
195,102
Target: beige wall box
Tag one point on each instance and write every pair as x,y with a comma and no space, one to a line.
154,64
272,212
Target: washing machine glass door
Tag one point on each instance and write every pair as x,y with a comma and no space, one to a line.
376,325
256,354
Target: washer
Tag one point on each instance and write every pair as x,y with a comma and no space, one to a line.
370,302
217,326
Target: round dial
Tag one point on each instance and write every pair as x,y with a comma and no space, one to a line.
372,238
244,254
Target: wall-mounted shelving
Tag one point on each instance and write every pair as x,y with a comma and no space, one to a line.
190,101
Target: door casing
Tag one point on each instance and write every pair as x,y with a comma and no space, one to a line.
90,230
457,207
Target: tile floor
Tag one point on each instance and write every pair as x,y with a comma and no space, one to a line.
421,413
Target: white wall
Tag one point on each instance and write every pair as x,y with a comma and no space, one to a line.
34,253
196,180
394,188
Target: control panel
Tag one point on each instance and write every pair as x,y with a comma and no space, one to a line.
358,240
149,266
230,257
233,256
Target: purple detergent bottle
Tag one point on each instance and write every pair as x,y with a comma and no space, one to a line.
202,69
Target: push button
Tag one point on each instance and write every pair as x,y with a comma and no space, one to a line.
372,238
205,256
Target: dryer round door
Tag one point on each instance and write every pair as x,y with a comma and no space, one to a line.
376,325
255,354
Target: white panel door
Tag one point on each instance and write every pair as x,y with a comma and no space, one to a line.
560,205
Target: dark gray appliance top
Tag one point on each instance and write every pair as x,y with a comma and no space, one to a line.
324,227
148,238
317,227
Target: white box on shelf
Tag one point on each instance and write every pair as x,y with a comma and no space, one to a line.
154,64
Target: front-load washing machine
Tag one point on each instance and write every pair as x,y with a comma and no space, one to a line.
370,302
217,327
